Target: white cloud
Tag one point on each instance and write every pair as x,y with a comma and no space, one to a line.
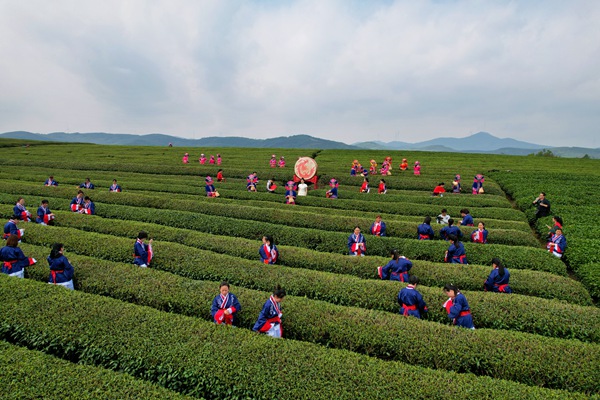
342,70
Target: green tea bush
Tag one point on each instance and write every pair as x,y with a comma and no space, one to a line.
28,374
202,359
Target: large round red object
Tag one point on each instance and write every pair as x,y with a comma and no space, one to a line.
305,167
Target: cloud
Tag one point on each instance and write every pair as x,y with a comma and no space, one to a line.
342,70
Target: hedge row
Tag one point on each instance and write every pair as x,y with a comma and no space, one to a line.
583,244
160,190
334,242
590,276
28,374
202,359
184,185
488,308
159,198
295,218
388,336
468,277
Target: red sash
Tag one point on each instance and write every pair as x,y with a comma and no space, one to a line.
220,316
9,264
271,256
477,236
464,313
462,258
53,273
408,308
501,288
274,320
376,230
356,249
423,237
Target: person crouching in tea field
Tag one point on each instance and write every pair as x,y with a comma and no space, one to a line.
439,190
225,306
410,300
467,219
443,217
268,251
269,319
142,252
480,234
290,193
89,207
357,245
114,187
271,186
425,231
10,228
12,258
557,224
382,189
378,227
397,269
365,186
87,184
20,211
61,271
44,215
478,181
50,181
417,169
210,187
446,231
557,244
333,192
498,279
456,252
457,307
77,201
251,182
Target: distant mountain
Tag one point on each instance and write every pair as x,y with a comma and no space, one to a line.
292,142
481,142
478,142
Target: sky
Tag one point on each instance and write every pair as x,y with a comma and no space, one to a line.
344,70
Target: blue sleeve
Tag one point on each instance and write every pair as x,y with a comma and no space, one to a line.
383,228
491,278
350,241
68,268
215,306
385,274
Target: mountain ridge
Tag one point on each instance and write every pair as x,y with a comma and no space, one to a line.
480,142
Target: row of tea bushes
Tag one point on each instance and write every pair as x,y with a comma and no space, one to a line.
416,209
28,374
489,309
185,185
467,277
336,242
291,217
199,358
583,246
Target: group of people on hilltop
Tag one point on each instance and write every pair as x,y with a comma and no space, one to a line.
358,169
203,160
274,163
